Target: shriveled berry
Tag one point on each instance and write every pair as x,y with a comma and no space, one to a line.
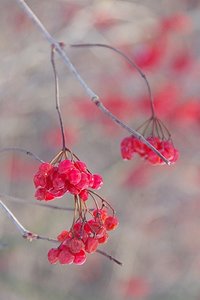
100,214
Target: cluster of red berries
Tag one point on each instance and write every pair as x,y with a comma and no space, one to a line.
53,181
84,236
131,145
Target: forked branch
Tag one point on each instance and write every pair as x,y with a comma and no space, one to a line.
93,97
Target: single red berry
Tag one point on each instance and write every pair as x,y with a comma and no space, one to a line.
127,148
44,168
42,194
80,258
75,245
80,165
58,182
53,255
64,166
103,239
83,183
73,176
84,195
39,180
111,223
100,214
63,236
91,245
65,256
98,182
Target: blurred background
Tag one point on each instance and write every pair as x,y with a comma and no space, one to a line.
158,239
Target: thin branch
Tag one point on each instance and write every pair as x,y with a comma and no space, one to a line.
93,97
28,202
33,236
110,257
132,63
27,152
17,224
57,97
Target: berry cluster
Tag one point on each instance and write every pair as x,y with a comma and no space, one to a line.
131,145
62,176
84,236
54,180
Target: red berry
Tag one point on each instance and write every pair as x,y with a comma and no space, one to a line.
84,195
73,176
98,182
53,255
103,239
80,258
65,256
63,236
91,245
111,223
42,194
100,214
127,148
39,180
75,245
44,168
80,165
83,183
64,166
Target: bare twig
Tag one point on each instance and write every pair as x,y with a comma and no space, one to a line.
33,236
28,202
27,152
93,97
57,97
110,257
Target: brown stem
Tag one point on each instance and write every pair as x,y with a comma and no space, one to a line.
110,257
57,97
